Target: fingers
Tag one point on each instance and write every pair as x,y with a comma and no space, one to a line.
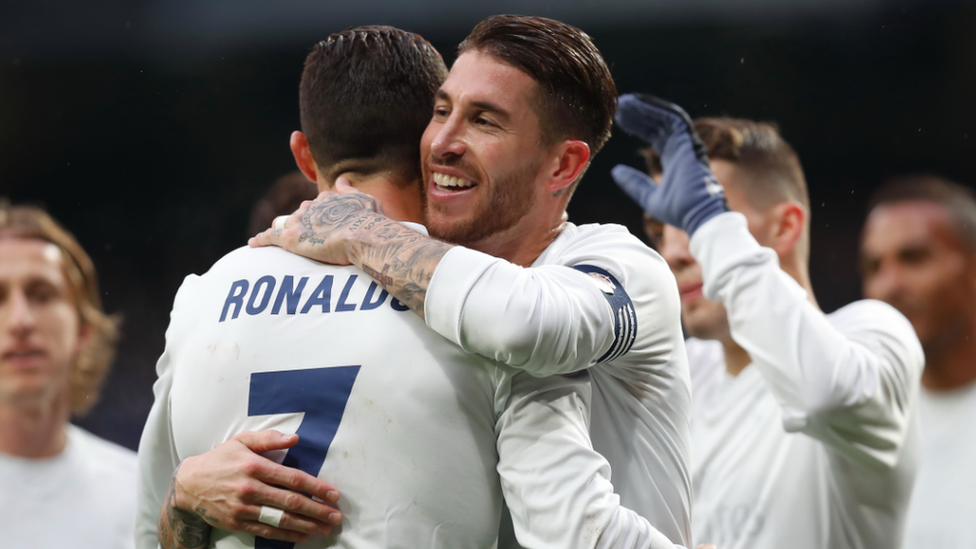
302,513
343,186
280,533
295,479
270,237
638,185
260,442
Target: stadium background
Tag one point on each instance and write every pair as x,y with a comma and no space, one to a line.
150,128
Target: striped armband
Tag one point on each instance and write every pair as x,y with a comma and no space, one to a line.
624,315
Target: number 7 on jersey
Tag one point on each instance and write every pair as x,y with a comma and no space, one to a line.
321,393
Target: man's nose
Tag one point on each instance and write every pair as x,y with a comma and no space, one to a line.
20,317
674,248
449,139
886,284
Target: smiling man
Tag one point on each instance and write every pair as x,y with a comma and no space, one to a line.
56,346
525,106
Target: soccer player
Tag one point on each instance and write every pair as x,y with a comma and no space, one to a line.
918,253
422,437
803,423
525,106
60,486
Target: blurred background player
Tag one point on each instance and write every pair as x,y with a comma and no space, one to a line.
803,424
60,486
919,254
283,198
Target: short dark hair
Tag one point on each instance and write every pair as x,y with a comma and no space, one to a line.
92,365
283,198
578,97
958,201
366,97
756,147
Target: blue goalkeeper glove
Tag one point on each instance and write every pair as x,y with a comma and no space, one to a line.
689,195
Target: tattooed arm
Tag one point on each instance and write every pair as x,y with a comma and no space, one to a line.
347,228
179,528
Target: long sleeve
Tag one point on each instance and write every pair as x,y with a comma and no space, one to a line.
849,379
158,457
576,307
556,486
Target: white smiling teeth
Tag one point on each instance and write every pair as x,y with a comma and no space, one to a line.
447,181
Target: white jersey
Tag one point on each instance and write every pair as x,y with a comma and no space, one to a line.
815,444
421,438
82,498
944,500
596,298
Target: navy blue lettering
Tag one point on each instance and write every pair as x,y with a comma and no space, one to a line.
287,291
267,282
397,306
321,296
368,303
235,296
342,305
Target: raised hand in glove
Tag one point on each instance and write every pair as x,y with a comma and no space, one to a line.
689,195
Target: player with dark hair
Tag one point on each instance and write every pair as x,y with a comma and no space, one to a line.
803,423
918,253
285,196
422,437
56,347
526,105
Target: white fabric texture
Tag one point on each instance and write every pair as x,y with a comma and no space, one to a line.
943,504
554,319
815,444
429,440
82,498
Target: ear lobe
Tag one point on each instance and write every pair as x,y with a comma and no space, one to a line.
791,219
86,333
303,156
571,159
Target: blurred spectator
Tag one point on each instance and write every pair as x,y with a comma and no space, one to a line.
919,254
283,198
60,486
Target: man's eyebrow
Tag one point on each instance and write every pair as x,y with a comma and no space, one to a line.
441,94
490,107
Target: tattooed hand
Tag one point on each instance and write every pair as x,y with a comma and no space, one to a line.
346,227
321,229
226,487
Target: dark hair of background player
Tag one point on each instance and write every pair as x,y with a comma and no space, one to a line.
283,198
366,96
958,201
89,371
577,97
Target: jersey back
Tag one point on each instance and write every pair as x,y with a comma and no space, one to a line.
398,418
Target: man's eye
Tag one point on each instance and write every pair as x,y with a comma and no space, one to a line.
441,111
483,121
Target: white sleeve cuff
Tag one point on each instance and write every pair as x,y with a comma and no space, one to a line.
723,243
456,274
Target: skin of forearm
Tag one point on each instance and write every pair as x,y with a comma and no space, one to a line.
401,260
179,528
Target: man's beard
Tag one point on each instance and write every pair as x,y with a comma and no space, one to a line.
509,200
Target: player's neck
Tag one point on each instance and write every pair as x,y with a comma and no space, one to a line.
524,242
33,431
951,367
736,358
400,200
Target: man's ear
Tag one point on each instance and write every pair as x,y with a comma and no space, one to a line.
789,218
303,156
568,163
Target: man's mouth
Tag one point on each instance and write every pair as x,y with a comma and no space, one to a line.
690,292
448,183
22,356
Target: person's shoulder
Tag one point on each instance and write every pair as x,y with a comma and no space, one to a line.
606,244
879,326
106,450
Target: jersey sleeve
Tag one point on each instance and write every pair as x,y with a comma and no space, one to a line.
849,380
157,456
577,310
556,486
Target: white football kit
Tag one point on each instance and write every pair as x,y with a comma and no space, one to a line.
815,444
82,498
421,438
944,500
596,298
